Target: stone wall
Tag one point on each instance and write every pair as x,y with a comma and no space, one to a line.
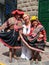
29,6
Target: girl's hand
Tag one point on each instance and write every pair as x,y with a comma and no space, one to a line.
45,41
34,35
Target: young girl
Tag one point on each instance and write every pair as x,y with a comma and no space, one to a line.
38,31
10,37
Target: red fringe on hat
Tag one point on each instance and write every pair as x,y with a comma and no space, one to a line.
17,11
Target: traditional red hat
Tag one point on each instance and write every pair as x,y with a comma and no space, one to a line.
18,12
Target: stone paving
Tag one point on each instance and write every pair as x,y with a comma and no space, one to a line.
4,58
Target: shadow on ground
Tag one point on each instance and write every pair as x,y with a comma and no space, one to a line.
18,53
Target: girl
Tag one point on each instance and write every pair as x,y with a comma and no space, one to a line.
40,33
10,37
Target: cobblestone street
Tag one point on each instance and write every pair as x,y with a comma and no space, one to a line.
4,58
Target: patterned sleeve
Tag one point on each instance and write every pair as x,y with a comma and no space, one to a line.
9,22
5,25
44,33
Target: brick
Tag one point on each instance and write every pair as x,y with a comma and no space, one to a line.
28,8
24,1
33,13
33,0
28,0
34,8
19,6
33,3
23,5
36,0
24,9
18,2
21,0
26,4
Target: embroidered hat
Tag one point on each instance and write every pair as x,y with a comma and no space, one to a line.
33,18
18,12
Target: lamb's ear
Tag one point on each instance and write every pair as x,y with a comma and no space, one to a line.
32,48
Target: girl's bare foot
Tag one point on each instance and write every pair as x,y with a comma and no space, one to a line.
16,57
36,62
10,60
